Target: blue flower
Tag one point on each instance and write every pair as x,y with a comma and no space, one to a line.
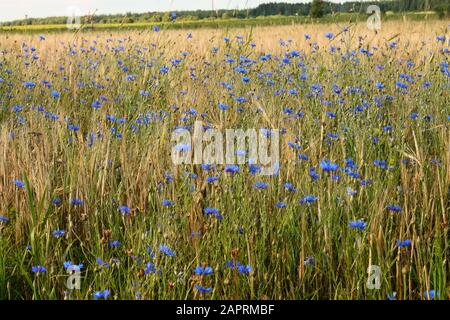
231,168
211,179
432,294
223,106
58,233
55,94
327,166
102,263
203,271
168,203
209,211
401,85
309,260
124,210
96,104
394,208
358,224
101,294
166,250
57,201
392,296
19,184
156,28
29,84
3,219
289,186
403,243
73,127
114,244
308,199
77,202
68,265
150,268
38,269
281,204
203,289
260,185
244,269
329,35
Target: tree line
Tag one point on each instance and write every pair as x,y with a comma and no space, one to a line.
315,8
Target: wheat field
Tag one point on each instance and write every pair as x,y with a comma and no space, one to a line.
88,187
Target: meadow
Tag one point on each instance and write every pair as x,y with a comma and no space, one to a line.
88,187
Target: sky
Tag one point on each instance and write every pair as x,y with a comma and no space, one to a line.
18,9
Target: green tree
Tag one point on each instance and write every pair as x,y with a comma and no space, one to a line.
317,9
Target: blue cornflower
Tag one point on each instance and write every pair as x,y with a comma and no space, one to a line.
55,94
209,211
432,294
166,250
206,166
114,244
308,199
101,294
29,84
168,203
223,107
203,271
76,202
124,210
3,219
203,289
260,185
150,268
281,204
329,35
394,207
96,104
57,201
327,166
19,184
38,269
392,296
164,70
401,85
403,243
211,179
102,263
380,86
244,269
358,224
58,233
313,174
68,265
289,186
73,127
232,168
309,260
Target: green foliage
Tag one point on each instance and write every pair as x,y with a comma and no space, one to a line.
317,9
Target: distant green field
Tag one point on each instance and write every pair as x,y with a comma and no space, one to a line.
228,23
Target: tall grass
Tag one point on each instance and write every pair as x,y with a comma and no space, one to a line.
63,148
